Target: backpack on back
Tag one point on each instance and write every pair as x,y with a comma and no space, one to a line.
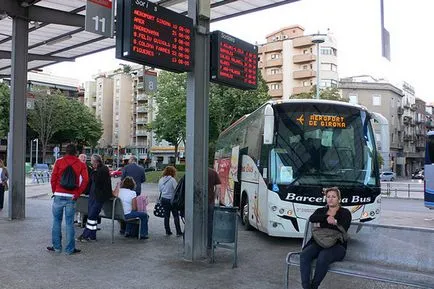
69,179
178,201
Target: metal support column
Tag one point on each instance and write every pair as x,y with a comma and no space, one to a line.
196,197
17,119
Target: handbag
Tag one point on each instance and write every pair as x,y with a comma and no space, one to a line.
327,238
158,208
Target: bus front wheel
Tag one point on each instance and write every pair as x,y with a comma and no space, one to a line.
245,215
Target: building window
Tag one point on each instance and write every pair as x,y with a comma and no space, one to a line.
328,51
328,83
329,66
275,56
274,71
376,100
275,86
307,83
353,98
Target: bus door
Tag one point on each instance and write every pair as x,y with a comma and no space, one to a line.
256,197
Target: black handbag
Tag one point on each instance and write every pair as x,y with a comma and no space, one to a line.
158,208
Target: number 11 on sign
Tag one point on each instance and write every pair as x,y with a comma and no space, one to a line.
97,20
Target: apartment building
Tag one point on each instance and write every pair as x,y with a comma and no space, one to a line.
123,102
406,123
288,62
90,95
122,93
104,107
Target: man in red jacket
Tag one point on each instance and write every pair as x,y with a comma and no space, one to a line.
64,199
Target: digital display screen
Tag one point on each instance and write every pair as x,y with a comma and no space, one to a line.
152,35
318,120
233,62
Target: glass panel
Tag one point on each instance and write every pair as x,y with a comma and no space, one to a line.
320,144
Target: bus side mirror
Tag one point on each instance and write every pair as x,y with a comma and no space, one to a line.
268,124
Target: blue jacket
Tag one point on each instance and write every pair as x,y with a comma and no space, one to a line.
137,173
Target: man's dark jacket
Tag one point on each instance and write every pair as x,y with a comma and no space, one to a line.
137,173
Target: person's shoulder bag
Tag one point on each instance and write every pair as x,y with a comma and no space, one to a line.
158,208
327,238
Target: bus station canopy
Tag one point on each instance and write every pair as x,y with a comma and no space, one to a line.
56,27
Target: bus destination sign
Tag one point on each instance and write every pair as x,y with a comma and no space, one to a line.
152,35
233,62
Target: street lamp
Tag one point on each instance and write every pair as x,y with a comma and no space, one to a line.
317,39
31,148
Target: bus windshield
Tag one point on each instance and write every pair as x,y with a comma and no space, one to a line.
317,144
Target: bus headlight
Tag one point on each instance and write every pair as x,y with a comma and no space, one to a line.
281,211
289,213
365,214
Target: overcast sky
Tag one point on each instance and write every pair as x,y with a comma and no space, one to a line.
356,26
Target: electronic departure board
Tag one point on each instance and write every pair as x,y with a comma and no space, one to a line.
153,35
233,62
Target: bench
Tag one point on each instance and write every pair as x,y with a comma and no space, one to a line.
111,209
392,254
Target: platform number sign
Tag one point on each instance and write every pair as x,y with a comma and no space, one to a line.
99,17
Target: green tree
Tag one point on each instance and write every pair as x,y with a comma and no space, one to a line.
226,105
48,116
170,98
330,93
4,109
80,126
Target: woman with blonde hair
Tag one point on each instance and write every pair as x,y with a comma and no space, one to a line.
167,185
4,183
331,217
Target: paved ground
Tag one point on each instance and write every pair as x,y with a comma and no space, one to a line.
128,263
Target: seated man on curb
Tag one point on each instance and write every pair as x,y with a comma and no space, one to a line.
129,202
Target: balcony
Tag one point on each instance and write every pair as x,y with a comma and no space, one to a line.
276,93
140,85
301,58
400,110
141,121
406,105
273,62
94,104
406,120
413,107
142,109
302,41
306,73
274,77
301,89
141,132
141,97
272,46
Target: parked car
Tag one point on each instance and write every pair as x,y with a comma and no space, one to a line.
116,173
417,173
387,176
419,176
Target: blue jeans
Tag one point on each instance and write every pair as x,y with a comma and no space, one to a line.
59,204
144,221
324,258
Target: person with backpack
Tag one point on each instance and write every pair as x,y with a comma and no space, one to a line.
66,188
100,191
